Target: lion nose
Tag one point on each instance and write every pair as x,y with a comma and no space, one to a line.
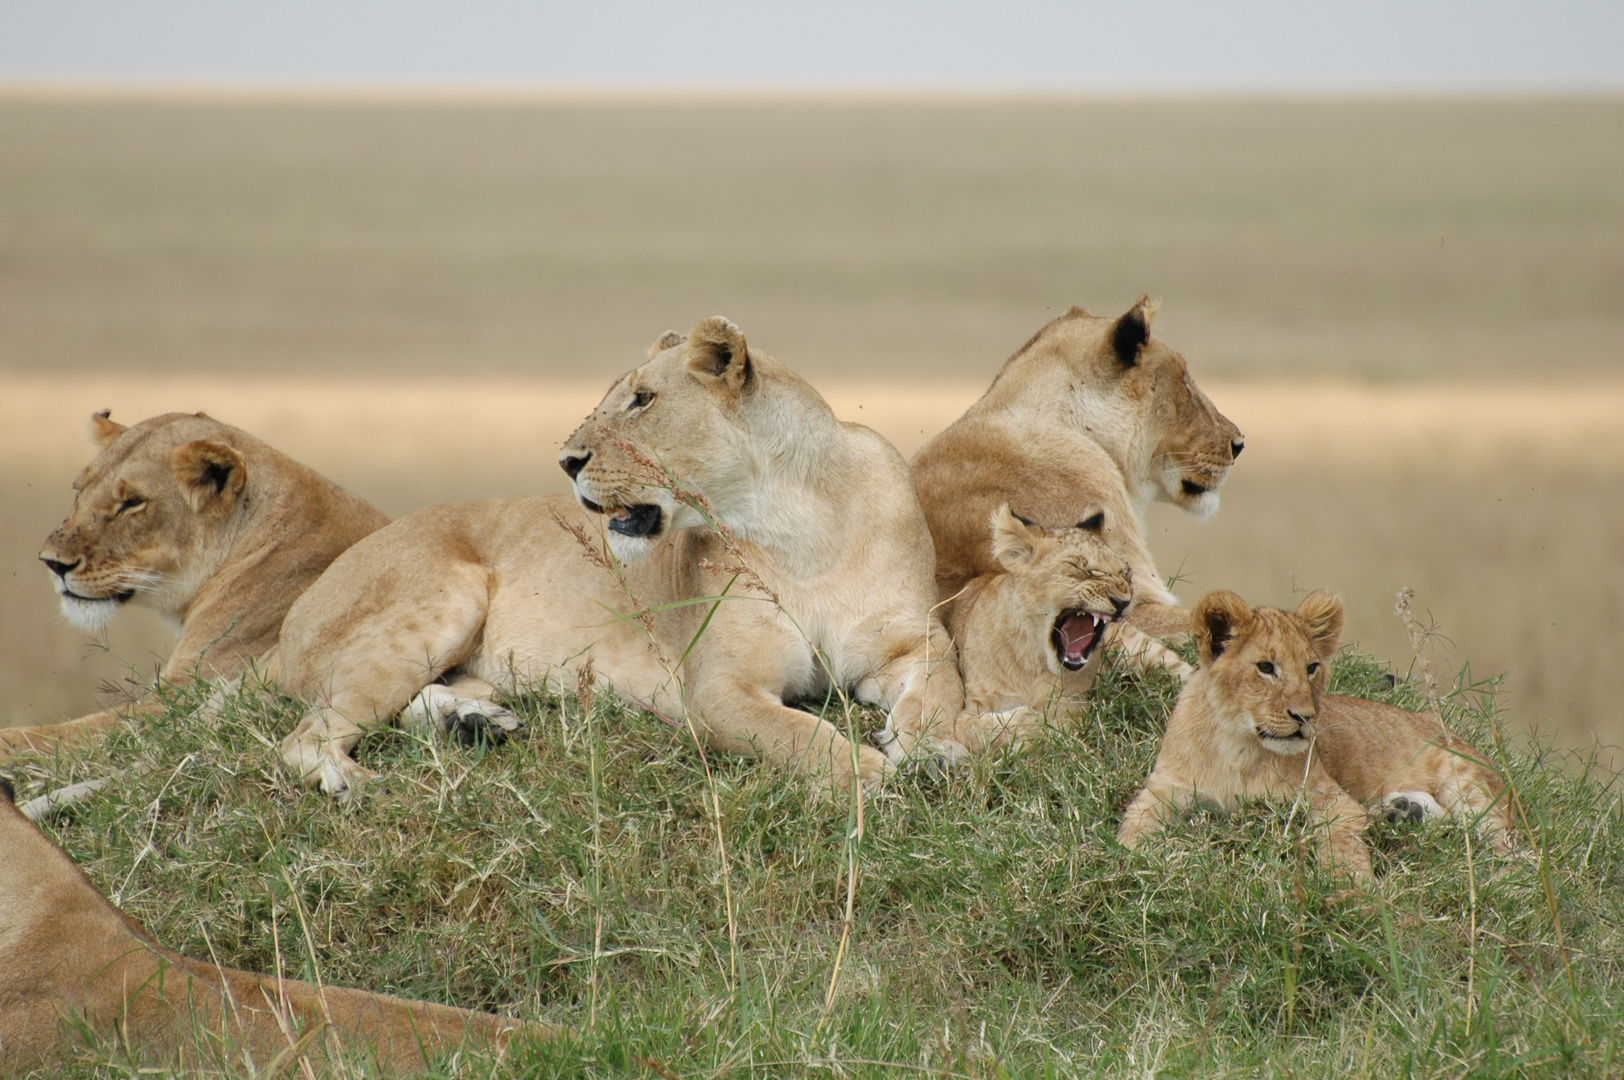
58,567
574,465
1235,449
1120,604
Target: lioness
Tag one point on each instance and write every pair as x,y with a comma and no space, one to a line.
1255,721
202,522
1029,635
73,961
739,546
1090,412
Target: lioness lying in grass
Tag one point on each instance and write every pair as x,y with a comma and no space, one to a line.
74,965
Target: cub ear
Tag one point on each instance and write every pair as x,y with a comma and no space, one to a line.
668,340
1320,614
1130,333
102,430
1217,620
211,476
1014,539
1093,520
716,350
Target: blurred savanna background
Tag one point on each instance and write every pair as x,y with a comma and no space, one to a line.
1412,304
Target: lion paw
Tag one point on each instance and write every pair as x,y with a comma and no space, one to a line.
473,722
341,778
1411,807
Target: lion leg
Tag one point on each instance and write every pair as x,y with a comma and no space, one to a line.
993,731
1161,799
51,738
743,718
921,686
464,710
1469,790
1141,652
361,680
1343,844
1159,620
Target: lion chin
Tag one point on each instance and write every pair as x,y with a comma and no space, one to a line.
90,615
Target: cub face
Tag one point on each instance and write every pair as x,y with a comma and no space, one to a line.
675,419
1067,581
145,514
1265,668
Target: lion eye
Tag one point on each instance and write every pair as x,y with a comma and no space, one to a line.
1313,669
640,399
1265,667
132,503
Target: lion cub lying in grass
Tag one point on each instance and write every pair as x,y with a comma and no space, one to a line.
1030,633
1255,723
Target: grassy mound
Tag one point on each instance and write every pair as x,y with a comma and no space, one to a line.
688,916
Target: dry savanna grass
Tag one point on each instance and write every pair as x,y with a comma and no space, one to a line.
689,917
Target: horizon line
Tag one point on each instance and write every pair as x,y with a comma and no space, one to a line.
476,91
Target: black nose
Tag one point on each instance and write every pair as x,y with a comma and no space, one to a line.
574,465
1235,449
1120,604
59,568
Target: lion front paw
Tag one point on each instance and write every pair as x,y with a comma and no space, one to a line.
470,723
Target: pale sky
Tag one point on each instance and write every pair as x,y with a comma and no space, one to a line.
1166,44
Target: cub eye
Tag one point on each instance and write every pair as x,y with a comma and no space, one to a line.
1313,668
1265,667
132,503
640,399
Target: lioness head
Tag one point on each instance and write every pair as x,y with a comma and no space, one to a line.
150,514
1134,395
673,422
1069,581
1266,668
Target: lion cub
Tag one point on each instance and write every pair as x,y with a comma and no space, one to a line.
1030,633
1255,723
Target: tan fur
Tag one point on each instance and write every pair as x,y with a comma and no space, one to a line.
205,524
1240,733
1383,755
73,961
1004,625
826,562
1090,412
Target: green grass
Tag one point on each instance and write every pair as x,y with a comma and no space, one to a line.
998,929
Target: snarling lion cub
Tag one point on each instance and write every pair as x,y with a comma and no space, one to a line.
758,549
73,962
1029,636
1090,412
1255,722
205,524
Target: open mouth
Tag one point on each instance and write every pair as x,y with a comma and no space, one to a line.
1193,489
641,520
1076,634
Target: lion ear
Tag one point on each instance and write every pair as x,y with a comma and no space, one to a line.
668,340
1093,520
103,430
1130,333
211,476
716,350
1320,614
1217,619
1014,539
